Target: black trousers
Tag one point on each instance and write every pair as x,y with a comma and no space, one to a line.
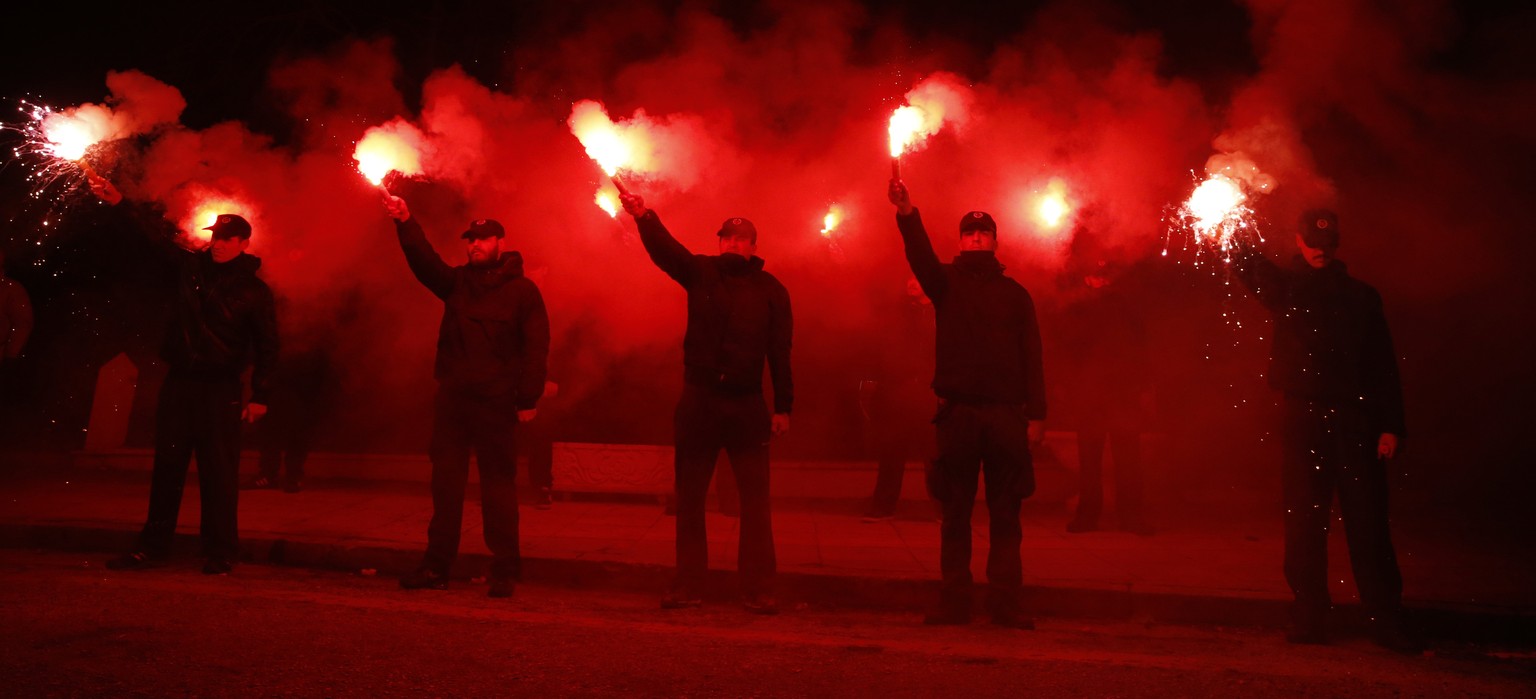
537,443
1128,479
196,416
991,441
465,422
707,422
1328,449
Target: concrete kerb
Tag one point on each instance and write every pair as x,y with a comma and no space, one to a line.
795,589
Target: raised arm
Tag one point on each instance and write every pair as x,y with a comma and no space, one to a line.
668,254
914,237
425,263
533,327
1260,274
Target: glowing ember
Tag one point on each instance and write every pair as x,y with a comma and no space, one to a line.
393,147
907,126
614,146
608,202
829,222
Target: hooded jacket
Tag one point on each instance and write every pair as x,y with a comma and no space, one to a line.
224,319
738,317
1331,340
987,337
494,337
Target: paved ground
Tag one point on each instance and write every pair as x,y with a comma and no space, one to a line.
1217,572
75,629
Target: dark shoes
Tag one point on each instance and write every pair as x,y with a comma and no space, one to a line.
136,560
1080,524
874,516
293,485
1390,633
501,587
948,615
260,483
681,599
760,604
543,501
1307,628
217,566
424,579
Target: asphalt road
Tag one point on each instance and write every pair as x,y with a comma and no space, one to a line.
72,628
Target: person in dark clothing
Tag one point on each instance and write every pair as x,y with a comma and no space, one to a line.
224,321
897,403
538,446
991,387
1342,404
492,351
303,394
1109,389
738,319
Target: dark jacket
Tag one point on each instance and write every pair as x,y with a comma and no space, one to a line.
494,338
224,319
1331,341
987,337
738,317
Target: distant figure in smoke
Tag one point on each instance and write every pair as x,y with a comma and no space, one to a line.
224,321
991,388
738,319
1333,362
304,391
492,349
1108,395
538,446
15,328
897,402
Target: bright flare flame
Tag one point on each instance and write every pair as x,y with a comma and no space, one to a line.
829,222
1217,215
939,99
609,202
612,145
393,147
1053,207
68,135
907,127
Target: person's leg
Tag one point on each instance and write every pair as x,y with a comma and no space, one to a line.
174,435
1130,496
301,434
955,472
1307,483
1090,478
747,434
269,440
449,452
218,470
696,445
890,455
1363,499
493,430
1008,469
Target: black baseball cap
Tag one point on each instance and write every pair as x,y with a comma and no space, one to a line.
1319,228
230,226
484,228
978,221
737,227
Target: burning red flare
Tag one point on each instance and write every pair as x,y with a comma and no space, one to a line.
938,99
608,202
831,220
1053,207
393,147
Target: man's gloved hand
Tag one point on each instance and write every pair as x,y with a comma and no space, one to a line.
899,196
